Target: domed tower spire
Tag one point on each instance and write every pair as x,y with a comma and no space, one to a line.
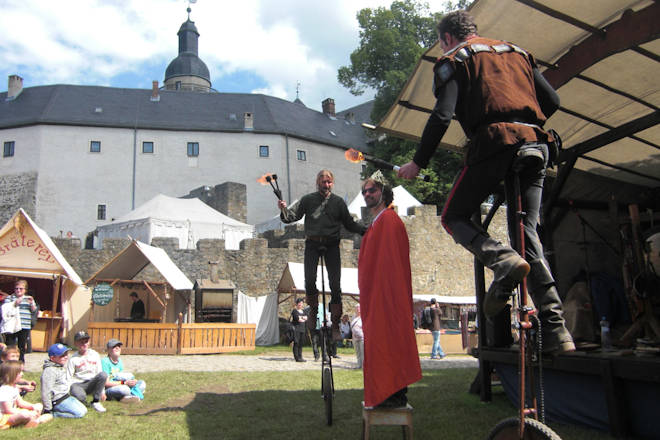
187,71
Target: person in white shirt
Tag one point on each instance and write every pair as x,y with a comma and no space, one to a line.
85,373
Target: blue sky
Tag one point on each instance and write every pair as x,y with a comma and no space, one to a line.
249,46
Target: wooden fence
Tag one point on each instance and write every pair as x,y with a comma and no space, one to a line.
150,338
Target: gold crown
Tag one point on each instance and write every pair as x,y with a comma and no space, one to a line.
378,177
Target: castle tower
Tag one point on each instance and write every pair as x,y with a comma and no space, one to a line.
187,71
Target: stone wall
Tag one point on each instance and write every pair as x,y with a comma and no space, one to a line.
229,198
439,266
17,191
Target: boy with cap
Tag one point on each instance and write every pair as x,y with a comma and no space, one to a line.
120,385
55,386
84,371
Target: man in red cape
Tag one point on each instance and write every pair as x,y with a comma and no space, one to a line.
391,360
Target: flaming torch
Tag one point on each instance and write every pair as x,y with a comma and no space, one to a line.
270,178
355,156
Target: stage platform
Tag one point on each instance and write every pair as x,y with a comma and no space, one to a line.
615,391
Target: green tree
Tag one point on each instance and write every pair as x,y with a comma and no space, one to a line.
391,43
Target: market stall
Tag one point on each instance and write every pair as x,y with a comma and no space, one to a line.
26,252
145,273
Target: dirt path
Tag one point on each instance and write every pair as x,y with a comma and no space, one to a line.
224,362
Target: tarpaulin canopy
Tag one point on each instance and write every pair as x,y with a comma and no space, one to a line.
27,249
293,280
601,57
134,258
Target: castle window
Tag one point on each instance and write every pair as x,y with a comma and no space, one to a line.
95,146
100,212
263,151
147,147
301,155
193,149
8,150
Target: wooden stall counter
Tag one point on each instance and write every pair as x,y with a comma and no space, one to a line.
46,331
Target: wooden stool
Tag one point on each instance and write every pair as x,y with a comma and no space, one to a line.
387,416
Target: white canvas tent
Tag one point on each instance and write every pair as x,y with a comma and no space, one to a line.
275,222
402,200
188,220
121,272
293,280
26,251
261,311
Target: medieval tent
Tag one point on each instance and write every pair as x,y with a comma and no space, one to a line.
165,290
27,252
293,280
275,222
261,311
188,220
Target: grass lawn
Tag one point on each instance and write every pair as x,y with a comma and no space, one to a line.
283,405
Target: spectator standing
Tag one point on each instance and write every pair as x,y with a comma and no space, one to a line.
55,386
345,328
85,372
3,297
121,385
24,307
358,336
436,350
298,318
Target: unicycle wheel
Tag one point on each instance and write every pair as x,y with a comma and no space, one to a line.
327,394
508,429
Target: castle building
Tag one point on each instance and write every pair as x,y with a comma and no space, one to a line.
76,157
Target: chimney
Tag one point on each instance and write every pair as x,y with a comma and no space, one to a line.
213,270
350,117
328,106
249,122
15,87
155,97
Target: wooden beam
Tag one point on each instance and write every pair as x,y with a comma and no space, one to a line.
630,31
153,293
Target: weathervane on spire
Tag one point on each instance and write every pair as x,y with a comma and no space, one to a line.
190,2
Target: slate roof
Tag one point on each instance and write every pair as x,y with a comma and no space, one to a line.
176,110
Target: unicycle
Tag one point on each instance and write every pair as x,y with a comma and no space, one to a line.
327,381
524,427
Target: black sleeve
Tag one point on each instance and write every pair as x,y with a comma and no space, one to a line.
349,222
547,96
438,122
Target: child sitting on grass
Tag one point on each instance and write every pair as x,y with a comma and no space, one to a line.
11,353
15,411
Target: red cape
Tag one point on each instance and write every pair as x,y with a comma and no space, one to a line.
391,359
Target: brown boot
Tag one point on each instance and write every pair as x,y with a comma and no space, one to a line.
556,338
336,311
499,291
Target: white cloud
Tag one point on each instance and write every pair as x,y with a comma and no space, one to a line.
93,41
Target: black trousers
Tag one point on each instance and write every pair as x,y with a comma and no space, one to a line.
298,339
332,259
20,340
